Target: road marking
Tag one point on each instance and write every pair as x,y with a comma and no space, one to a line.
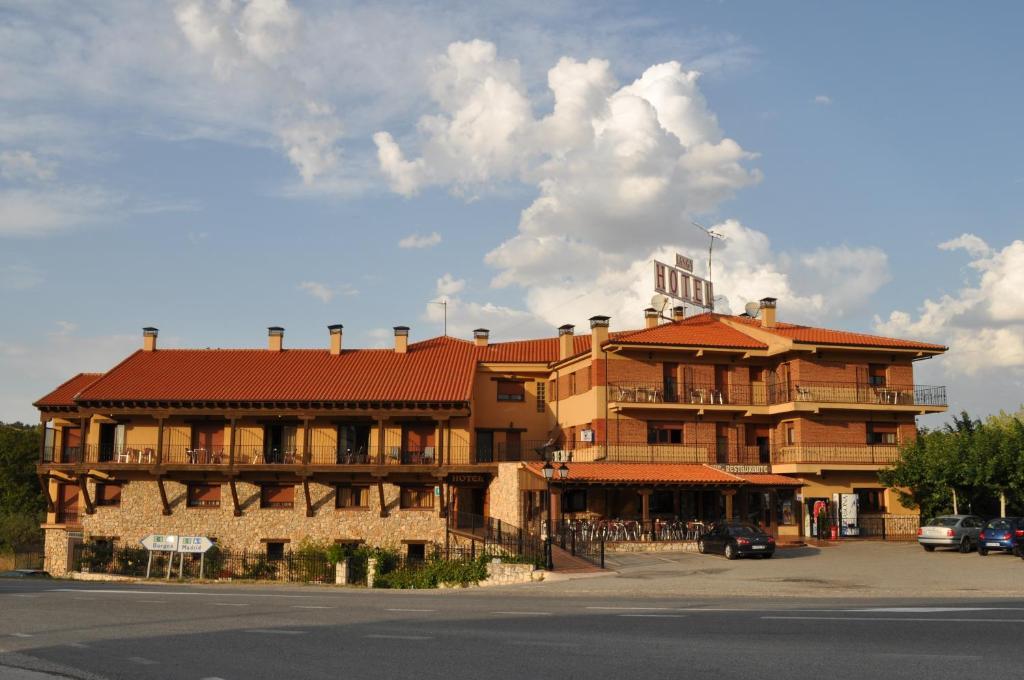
635,609
84,599
655,616
916,619
21,635
397,609
929,610
153,601
399,637
310,606
142,660
230,604
24,595
112,591
78,645
523,613
543,643
275,631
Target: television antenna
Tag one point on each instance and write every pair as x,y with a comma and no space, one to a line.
660,302
444,304
712,235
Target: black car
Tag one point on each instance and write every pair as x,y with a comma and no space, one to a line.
736,539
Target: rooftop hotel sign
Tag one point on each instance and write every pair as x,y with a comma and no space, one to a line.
679,283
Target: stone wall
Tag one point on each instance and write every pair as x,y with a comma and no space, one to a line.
140,514
505,500
502,574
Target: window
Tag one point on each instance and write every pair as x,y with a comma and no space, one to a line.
203,495
416,497
108,493
574,500
511,390
870,500
348,496
416,551
882,434
275,550
876,375
540,396
553,389
277,496
756,374
572,383
786,507
790,432
664,433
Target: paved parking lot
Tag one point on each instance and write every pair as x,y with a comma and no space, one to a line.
849,569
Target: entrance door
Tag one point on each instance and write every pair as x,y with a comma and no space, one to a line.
470,506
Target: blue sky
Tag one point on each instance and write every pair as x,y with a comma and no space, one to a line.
212,168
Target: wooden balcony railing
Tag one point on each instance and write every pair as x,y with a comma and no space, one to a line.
704,394
857,454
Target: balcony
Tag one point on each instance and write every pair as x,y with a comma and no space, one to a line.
700,453
844,454
702,395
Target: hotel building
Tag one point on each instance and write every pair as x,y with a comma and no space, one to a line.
702,417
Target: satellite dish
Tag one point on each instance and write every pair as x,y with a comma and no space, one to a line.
752,308
659,302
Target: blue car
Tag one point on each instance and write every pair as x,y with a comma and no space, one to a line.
1005,534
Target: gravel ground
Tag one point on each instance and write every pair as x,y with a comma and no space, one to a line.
848,570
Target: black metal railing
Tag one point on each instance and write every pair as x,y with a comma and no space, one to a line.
62,455
711,394
572,537
66,516
889,527
497,538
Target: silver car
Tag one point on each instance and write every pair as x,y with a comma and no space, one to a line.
951,531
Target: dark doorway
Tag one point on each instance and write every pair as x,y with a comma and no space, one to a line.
353,443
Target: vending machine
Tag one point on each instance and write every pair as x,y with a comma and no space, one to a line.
846,509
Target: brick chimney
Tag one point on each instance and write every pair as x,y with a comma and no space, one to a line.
768,312
650,317
598,332
336,331
149,338
565,334
678,313
481,336
401,339
275,338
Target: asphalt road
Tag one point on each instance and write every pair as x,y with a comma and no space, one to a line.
101,630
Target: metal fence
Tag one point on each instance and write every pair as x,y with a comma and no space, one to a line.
496,538
889,527
575,538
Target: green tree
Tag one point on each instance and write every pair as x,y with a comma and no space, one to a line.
21,500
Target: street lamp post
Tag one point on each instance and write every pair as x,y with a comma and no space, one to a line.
549,473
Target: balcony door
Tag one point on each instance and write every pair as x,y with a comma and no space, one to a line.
279,443
484,446
418,446
670,381
71,445
721,385
353,443
67,504
111,441
721,444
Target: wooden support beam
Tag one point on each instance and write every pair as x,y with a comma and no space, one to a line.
306,437
383,504
234,498
309,501
163,496
231,446
160,445
44,482
84,490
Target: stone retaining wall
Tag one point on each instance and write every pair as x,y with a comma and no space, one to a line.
650,546
503,574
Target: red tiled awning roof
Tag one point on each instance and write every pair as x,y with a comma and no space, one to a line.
436,370
702,330
643,473
64,395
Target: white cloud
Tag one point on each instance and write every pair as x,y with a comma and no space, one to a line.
420,240
39,212
21,164
324,292
983,323
822,99
448,285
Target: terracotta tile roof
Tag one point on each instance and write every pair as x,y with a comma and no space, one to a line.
702,330
64,395
826,336
770,480
439,369
644,473
541,350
